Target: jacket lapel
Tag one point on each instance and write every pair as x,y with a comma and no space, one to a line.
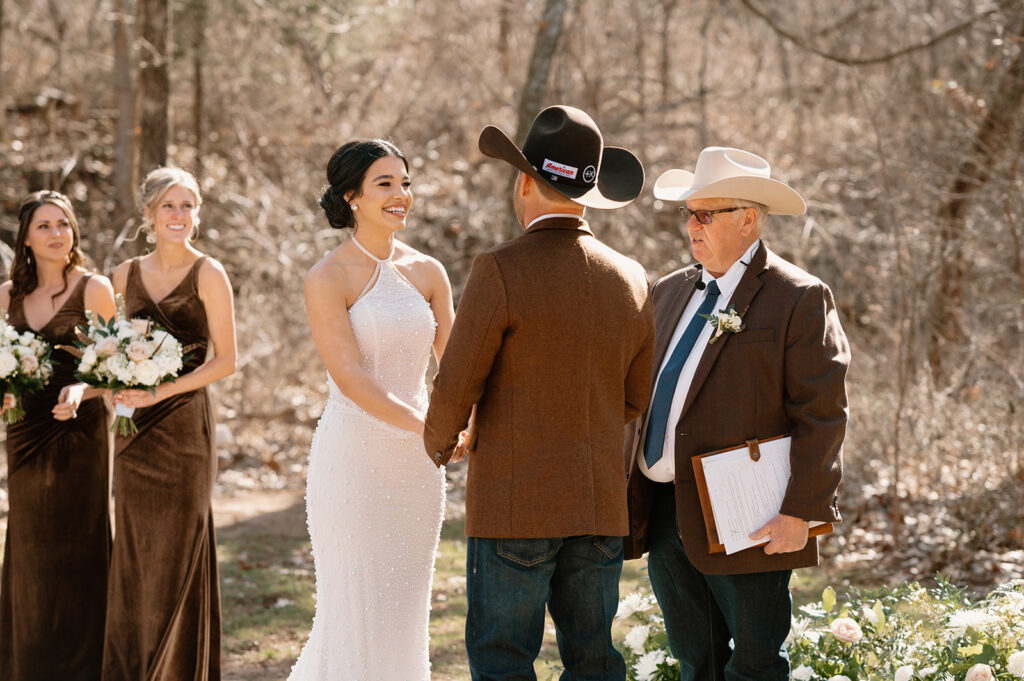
741,299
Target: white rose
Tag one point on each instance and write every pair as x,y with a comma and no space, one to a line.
871,616
107,346
139,350
27,338
118,367
141,326
927,671
637,637
846,629
839,677
904,673
89,358
39,348
147,372
160,337
634,602
8,363
647,666
10,335
29,364
803,673
125,330
979,672
22,350
1015,664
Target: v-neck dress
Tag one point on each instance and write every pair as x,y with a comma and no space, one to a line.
163,606
57,550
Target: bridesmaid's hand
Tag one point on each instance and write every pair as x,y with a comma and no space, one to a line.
137,398
69,401
9,401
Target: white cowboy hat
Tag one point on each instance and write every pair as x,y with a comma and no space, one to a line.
727,173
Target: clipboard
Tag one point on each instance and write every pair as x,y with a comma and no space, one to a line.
753,447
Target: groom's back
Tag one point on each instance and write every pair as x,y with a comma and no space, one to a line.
574,365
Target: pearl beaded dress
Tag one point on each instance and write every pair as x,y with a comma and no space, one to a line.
374,504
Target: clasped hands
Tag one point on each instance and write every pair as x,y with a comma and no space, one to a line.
785,533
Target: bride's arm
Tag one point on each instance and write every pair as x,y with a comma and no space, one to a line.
440,298
332,333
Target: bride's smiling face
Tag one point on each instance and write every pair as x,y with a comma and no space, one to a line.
385,196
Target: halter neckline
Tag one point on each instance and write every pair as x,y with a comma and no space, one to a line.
371,256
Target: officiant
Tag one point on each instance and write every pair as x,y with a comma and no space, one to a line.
748,346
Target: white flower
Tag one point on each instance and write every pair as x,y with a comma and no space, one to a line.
962,620
125,330
29,364
118,367
647,666
23,350
979,672
27,338
89,358
141,326
632,603
8,363
139,350
637,637
732,323
168,365
846,629
927,671
1015,664
839,677
160,336
871,616
147,372
904,673
106,346
10,334
803,673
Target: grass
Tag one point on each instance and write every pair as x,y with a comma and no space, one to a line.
267,583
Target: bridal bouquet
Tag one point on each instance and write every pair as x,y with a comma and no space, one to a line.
121,353
25,366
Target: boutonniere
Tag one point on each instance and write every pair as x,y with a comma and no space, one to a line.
725,321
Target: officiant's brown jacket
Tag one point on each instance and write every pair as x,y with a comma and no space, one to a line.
553,342
785,373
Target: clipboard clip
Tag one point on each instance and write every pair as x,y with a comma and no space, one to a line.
755,450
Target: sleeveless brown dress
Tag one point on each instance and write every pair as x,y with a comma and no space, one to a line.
53,593
163,604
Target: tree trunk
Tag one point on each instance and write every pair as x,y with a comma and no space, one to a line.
668,8
124,149
154,83
504,36
198,53
548,32
990,142
3,103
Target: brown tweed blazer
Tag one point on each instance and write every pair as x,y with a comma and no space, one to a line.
553,342
785,373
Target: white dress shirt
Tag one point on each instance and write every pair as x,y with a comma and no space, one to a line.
664,470
548,216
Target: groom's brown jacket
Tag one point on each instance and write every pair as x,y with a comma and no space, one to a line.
553,342
785,373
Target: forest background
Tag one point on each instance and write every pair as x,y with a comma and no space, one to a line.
900,121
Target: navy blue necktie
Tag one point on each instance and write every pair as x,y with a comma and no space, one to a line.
666,389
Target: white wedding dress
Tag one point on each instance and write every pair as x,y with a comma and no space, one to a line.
374,504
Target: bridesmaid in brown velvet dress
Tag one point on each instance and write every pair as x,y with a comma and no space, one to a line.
57,549
163,606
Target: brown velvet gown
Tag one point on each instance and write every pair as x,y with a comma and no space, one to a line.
163,605
53,593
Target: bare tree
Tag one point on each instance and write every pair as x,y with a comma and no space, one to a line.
124,149
198,13
3,104
154,85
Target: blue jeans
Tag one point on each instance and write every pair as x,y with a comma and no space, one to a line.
704,612
509,581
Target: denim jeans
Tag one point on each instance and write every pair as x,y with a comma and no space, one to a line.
704,612
509,581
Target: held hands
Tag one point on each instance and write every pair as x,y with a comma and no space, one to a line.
69,401
466,444
9,401
136,397
785,534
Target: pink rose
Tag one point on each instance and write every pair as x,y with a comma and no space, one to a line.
29,364
979,672
139,350
141,326
106,346
846,629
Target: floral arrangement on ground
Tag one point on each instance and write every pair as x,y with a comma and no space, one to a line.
908,633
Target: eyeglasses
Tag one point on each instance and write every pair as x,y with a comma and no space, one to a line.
704,217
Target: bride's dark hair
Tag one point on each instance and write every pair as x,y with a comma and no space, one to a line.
345,173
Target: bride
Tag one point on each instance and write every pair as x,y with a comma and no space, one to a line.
374,500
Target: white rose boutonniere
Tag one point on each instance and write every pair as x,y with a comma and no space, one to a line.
725,321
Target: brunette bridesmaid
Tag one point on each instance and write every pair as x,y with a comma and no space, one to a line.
53,593
163,605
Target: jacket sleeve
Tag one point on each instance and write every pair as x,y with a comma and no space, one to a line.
638,378
474,342
817,356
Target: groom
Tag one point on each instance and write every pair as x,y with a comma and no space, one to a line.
552,343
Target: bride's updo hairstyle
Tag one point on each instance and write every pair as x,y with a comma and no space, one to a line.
345,173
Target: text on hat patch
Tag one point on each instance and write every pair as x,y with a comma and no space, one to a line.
559,169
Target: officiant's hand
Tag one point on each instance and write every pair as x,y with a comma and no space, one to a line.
785,533
465,446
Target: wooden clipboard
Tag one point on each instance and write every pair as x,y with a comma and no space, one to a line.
715,545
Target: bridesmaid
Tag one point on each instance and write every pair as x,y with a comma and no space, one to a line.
53,593
163,605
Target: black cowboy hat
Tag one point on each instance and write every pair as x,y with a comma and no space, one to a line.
564,148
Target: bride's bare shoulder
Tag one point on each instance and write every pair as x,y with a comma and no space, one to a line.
338,272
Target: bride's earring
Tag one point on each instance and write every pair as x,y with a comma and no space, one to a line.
353,206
